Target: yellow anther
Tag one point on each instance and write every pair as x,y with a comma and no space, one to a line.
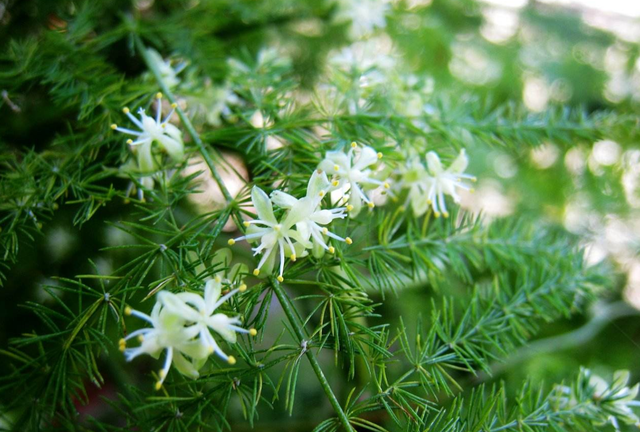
280,279
162,373
159,95
242,288
349,207
114,126
429,202
217,279
445,214
348,240
335,167
437,214
354,145
122,344
331,249
256,272
335,183
129,141
163,125
325,230
473,179
379,155
231,242
211,349
319,171
277,227
246,223
231,360
293,257
321,194
158,386
127,311
125,110
386,185
472,190
253,332
174,105
370,205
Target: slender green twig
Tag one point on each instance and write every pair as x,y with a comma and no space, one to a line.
299,331
183,118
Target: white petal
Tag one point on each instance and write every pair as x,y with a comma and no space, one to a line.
263,206
460,163
173,304
212,290
220,324
433,163
368,156
283,199
317,183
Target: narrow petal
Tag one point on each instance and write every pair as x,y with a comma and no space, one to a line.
177,306
433,164
283,199
263,206
220,324
368,156
460,163
212,290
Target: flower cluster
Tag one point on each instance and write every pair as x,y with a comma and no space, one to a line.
428,185
181,325
151,130
301,227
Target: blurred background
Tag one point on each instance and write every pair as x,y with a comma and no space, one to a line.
544,55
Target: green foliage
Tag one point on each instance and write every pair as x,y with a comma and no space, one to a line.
397,331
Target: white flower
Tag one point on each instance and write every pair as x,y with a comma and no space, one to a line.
302,226
277,238
168,333
352,173
365,15
441,182
311,219
153,130
181,326
199,313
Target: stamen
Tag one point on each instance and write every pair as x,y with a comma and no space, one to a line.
242,288
379,155
253,332
335,183
293,257
370,205
336,167
256,272
231,242
354,145
125,110
349,207
280,279
348,240
159,95
231,360
331,249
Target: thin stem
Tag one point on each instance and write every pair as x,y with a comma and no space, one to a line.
183,118
299,331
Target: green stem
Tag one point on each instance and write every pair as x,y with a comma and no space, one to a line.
183,118
299,331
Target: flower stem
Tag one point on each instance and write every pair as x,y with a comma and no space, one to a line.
299,331
183,118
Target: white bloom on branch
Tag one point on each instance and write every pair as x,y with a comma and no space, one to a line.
441,182
277,238
352,173
151,130
302,226
428,186
180,326
311,220
167,333
199,313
